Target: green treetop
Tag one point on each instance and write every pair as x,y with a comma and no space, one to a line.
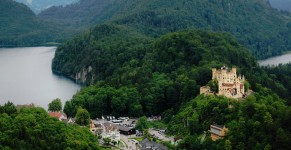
55,105
142,123
82,117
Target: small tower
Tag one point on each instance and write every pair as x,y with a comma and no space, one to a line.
214,73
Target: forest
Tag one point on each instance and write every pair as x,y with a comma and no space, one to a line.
33,128
261,121
166,73
249,21
150,58
162,77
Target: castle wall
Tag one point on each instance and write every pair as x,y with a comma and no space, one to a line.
229,84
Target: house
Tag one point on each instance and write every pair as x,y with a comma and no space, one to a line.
150,145
95,128
110,131
126,130
217,131
59,115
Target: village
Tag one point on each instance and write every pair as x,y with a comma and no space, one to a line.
121,133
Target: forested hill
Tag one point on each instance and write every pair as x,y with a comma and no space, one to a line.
33,128
84,13
19,26
254,23
135,75
39,5
139,76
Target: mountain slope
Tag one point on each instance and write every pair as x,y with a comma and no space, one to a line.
84,13
137,75
281,4
19,26
253,22
142,75
39,5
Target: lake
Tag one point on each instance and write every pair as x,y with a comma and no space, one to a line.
283,59
26,77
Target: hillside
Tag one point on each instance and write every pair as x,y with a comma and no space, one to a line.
19,26
281,4
259,122
253,22
137,76
38,5
84,13
33,128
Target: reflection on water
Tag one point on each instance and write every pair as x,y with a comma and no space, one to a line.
26,77
283,59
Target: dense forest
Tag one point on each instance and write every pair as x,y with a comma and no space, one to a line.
149,58
39,5
259,122
19,26
162,77
83,14
33,128
159,73
249,21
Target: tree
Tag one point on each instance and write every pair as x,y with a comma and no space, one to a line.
8,108
227,145
55,105
247,86
82,117
213,84
142,123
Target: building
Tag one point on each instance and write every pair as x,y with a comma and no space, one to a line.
126,131
18,107
230,84
150,145
206,90
217,131
110,131
59,115
96,128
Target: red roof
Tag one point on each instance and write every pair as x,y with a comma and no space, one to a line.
227,84
55,114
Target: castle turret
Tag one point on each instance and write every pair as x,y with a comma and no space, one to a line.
214,73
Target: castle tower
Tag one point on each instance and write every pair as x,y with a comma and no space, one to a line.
214,73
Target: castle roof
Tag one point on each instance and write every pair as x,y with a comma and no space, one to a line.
227,84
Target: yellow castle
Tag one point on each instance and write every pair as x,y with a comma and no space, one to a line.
229,84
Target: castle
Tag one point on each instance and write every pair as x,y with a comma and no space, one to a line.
229,84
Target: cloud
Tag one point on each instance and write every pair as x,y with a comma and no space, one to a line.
29,1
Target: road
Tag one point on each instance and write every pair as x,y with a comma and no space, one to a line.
131,143
162,137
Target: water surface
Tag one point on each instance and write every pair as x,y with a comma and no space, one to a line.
26,77
283,59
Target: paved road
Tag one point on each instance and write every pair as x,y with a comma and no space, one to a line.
130,142
162,137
